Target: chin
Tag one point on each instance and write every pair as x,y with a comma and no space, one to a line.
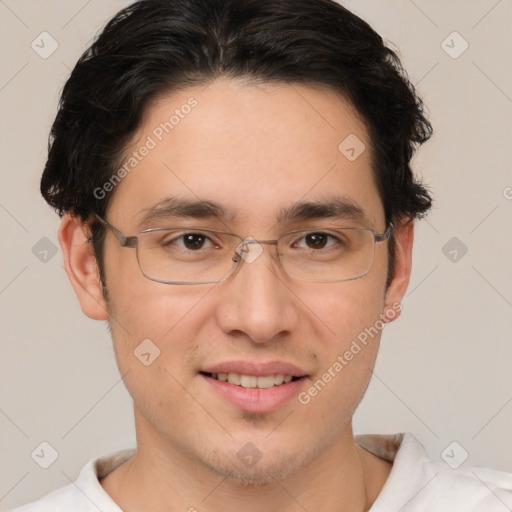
260,475
273,466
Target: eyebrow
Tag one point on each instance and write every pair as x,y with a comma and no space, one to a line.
332,207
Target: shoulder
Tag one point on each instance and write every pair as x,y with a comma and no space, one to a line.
86,494
442,487
477,489
64,499
419,483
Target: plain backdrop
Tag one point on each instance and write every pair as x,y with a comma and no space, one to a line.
444,368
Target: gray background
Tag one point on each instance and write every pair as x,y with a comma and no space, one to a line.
443,372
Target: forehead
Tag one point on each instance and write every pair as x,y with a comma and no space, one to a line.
255,149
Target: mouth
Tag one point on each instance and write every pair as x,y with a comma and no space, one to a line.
253,381
273,387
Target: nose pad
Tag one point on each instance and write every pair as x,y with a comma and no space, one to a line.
249,250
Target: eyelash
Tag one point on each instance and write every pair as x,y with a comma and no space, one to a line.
303,237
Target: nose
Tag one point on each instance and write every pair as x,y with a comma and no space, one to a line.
257,300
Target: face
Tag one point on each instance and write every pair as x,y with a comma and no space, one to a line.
255,150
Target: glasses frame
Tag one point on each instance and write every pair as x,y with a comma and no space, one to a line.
132,242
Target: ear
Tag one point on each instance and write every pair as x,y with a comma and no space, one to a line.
81,267
403,234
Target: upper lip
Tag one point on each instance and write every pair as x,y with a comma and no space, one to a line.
256,369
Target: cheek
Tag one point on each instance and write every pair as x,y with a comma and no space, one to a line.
155,344
349,327
348,308
168,316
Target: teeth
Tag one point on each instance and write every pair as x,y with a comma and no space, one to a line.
278,379
251,381
234,378
266,382
248,382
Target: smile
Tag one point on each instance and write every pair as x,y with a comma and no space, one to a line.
252,381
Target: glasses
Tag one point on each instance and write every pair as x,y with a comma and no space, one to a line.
184,255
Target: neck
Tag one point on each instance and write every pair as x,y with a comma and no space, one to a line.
344,477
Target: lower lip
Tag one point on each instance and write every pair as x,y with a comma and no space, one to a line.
256,400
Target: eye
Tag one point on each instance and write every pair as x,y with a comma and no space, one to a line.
190,241
318,240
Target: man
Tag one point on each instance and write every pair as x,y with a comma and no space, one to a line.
237,202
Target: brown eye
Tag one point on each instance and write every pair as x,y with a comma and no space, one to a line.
187,241
316,240
194,241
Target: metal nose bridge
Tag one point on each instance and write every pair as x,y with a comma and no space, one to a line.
243,246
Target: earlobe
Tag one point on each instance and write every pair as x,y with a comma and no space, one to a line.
81,267
404,236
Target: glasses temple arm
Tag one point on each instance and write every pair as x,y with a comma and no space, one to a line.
125,241
386,234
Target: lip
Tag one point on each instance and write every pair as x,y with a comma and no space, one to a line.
256,369
255,400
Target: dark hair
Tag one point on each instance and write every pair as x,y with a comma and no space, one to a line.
154,47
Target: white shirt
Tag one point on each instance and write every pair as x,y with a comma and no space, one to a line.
416,483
